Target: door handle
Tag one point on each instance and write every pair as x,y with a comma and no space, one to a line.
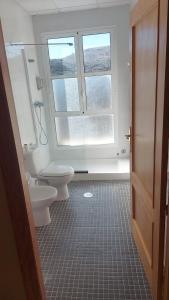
128,136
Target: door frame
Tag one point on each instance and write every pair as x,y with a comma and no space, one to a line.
166,273
13,182
161,149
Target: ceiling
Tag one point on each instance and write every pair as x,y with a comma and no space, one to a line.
54,6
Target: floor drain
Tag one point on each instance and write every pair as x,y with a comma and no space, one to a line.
88,195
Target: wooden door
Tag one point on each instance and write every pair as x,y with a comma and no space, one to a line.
149,135
15,204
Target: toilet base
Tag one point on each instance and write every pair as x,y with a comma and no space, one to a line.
63,193
41,216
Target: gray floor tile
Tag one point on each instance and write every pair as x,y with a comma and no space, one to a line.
87,252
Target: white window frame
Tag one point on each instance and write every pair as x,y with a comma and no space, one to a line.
52,113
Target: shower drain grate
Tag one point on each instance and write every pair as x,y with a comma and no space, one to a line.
88,195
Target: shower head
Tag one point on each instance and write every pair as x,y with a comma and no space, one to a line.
38,104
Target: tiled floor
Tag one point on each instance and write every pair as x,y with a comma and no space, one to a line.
87,252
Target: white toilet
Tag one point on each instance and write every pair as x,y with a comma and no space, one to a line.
59,177
41,198
53,174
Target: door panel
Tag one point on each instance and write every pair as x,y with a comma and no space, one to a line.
145,98
145,60
143,221
147,209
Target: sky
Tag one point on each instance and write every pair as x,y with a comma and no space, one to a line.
89,41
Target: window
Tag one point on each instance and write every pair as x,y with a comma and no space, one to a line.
85,130
62,58
81,69
63,70
96,52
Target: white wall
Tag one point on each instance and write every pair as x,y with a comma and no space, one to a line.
17,27
118,16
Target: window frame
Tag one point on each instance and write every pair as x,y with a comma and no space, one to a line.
52,113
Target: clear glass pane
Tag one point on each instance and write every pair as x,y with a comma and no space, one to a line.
66,94
85,130
62,57
98,92
96,49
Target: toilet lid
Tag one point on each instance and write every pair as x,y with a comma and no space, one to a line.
57,170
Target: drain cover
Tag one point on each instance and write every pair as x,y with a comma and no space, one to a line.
88,195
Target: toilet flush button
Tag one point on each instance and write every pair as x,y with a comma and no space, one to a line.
88,195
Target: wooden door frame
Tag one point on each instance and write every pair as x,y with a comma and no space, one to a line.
166,271
162,129
161,149
166,274
16,188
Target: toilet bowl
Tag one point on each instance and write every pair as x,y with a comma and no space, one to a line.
41,198
51,173
59,177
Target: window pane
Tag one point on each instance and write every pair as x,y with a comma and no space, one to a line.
85,130
98,92
62,57
96,49
66,94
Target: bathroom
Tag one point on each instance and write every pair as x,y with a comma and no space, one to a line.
78,152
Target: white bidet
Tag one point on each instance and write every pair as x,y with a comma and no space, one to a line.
41,198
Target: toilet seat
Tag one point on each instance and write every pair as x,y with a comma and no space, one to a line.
55,175
54,170
58,176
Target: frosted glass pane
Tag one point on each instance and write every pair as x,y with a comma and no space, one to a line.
66,94
85,130
98,92
96,51
62,57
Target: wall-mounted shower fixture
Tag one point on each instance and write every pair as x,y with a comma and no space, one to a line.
31,60
123,151
38,104
38,107
39,83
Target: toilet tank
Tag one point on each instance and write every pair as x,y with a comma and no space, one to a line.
36,160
